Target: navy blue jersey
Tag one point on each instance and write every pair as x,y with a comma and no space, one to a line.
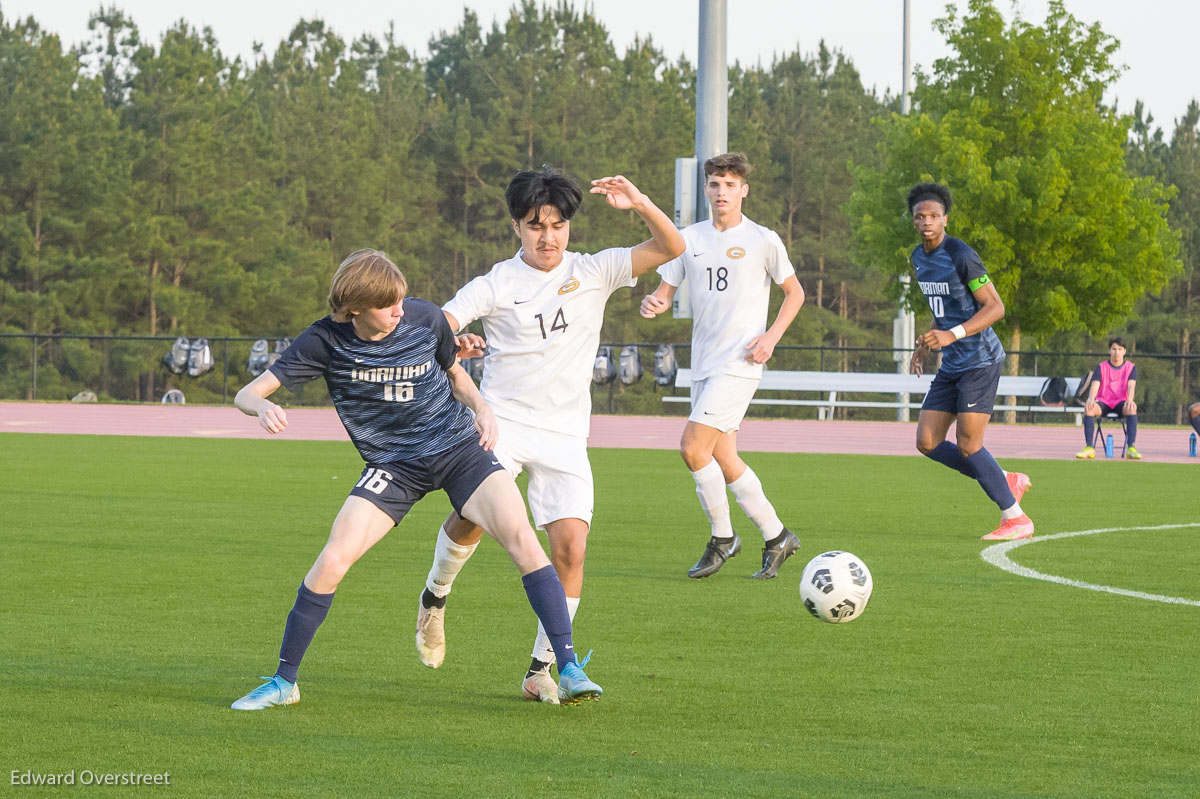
392,395
947,277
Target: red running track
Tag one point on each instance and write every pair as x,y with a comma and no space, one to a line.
640,432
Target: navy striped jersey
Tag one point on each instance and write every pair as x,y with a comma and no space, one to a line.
947,277
392,395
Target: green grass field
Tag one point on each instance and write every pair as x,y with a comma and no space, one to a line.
147,580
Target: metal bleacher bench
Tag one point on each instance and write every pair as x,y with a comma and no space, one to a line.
833,384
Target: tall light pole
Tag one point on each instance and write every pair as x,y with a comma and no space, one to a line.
712,127
904,326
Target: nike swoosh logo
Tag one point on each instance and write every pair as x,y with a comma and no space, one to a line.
521,302
697,254
358,360
708,413
495,463
972,404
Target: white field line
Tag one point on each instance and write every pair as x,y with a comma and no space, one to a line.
997,555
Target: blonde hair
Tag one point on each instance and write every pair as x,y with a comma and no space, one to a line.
366,279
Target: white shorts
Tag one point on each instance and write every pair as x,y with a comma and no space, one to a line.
560,474
721,401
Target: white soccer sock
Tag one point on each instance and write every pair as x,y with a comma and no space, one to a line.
710,487
448,560
1013,512
541,645
748,492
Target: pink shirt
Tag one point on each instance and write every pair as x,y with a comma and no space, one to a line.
1114,383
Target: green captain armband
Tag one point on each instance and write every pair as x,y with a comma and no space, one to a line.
977,282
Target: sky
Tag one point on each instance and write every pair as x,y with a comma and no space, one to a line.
1155,35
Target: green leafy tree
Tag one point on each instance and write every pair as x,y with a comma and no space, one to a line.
1013,122
1167,321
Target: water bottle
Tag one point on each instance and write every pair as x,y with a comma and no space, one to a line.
1192,445
1108,446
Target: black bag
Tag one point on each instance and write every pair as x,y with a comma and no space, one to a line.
1081,393
630,370
665,366
1054,392
605,368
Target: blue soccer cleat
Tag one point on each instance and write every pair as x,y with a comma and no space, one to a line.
275,691
574,686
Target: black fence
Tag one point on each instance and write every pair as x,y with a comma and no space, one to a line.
59,367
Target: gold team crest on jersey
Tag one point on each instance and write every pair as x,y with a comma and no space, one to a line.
735,253
569,286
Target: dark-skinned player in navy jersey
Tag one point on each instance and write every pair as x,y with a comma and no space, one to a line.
391,368
965,305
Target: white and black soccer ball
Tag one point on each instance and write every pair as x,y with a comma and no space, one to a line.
836,586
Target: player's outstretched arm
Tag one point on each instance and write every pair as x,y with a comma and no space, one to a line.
465,392
659,301
252,401
665,242
761,347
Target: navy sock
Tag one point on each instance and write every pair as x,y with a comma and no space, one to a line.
947,454
1089,430
1131,429
302,623
546,596
1196,423
991,478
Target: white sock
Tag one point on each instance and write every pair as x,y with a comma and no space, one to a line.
710,487
541,645
448,560
1013,512
748,492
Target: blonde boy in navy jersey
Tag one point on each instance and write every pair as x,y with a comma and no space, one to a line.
390,366
729,265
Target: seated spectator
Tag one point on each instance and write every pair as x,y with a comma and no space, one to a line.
1111,391
1194,416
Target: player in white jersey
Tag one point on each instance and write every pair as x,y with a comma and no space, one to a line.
730,264
542,311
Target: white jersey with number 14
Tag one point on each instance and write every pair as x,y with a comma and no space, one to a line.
729,275
542,331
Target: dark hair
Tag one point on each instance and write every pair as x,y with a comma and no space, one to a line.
530,191
728,164
1117,340
929,191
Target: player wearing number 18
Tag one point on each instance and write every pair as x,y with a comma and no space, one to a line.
729,265
390,365
965,305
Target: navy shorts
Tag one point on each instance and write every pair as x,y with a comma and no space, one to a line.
1118,409
970,391
395,487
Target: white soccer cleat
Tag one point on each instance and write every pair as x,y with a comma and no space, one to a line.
431,634
540,687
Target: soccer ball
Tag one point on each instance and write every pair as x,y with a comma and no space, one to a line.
835,586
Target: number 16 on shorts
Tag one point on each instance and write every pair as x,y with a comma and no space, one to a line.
374,480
